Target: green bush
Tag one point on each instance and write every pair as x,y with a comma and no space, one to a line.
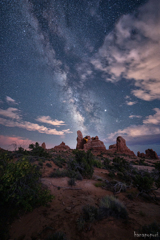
110,206
59,161
82,163
106,163
97,163
71,182
143,181
20,185
57,173
90,213
100,184
48,165
37,150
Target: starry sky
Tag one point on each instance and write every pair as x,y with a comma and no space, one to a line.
89,65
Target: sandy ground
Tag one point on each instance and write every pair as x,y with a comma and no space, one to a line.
61,214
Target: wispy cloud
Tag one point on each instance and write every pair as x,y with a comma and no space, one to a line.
10,100
47,119
131,51
147,129
135,116
32,127
10,113
130,103
153,119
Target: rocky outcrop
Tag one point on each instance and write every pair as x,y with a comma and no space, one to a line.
149,154
43,145
88,143
142,155
61,147
120,147
80,140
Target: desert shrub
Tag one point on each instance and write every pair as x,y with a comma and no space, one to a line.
110,206
59,161
97,163
20,185
40,164
90,213
152,230
82,163
106,163
143,181
57,173
80,223
71,182
48,165
111,174
37,150
119,187
100,184
57,236
79,176
121,164
142,162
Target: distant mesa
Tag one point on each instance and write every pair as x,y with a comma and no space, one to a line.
43,145
88,143
149,154
61,147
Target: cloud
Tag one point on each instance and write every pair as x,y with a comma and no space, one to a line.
130,103
10,113
10,142
32,127
131,51
138,131
47,119
10,100
135,116
155,119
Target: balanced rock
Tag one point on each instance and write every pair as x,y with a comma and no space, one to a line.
43,145
61,147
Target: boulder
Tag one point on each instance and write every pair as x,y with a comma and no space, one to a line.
61,147
43,145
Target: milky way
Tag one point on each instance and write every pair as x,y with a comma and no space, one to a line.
71,65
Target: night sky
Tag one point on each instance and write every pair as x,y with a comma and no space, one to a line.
89,65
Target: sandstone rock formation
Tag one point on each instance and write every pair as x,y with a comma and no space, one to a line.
120,147
80,141
142,155
61,147
43,145
88,143
149,154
